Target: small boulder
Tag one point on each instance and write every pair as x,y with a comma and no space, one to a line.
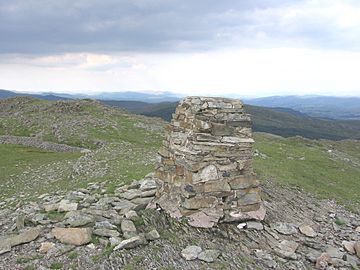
78,219
72,236
209,255
357,248
349,246
66,206
106,232
46,246
323,261
128,228
191,252
131,214
131,243
152,235
131,194
284,228
51,207
307,231
334,252
286,249
254,225
148,184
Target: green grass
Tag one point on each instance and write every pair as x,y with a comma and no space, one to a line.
73,255
308,164
15,159
132,142
55,215
57,265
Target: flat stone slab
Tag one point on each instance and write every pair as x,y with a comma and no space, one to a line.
131,243
209,255
284,228
72,236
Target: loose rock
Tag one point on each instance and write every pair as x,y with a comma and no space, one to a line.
307,230
191,252
131,243
72,236
66,206
209,255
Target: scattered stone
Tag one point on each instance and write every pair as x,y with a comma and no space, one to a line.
323,261
307,230
241,226
128,228
284,228
349,246
209,255
254,225
105,225
18,239
148,184
114,241
66,205
51,207
152,235
202,220
123,205
131,194
266,259
132,215
91,246
286,249
72,236
191,252
357,248
78,219
334,252
20,222
46,246
357,229
131,243
106,232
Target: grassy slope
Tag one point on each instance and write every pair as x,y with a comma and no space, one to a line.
132,142
285,123
15,159
310,165
123,144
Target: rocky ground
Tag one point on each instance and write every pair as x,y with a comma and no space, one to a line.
91,228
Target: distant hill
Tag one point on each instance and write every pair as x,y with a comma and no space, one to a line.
279,118
316,106
149,97
280,121
50,97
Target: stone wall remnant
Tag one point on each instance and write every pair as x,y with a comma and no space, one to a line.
205,163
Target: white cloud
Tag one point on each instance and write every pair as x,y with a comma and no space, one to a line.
245,72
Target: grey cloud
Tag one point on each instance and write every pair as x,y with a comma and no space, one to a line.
53,26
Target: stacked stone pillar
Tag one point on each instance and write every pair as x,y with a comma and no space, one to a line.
205,163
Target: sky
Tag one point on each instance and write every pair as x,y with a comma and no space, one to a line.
247,48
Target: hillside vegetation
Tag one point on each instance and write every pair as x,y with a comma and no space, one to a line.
280,121
124,147
316,106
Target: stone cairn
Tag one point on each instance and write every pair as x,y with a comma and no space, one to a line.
205,164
